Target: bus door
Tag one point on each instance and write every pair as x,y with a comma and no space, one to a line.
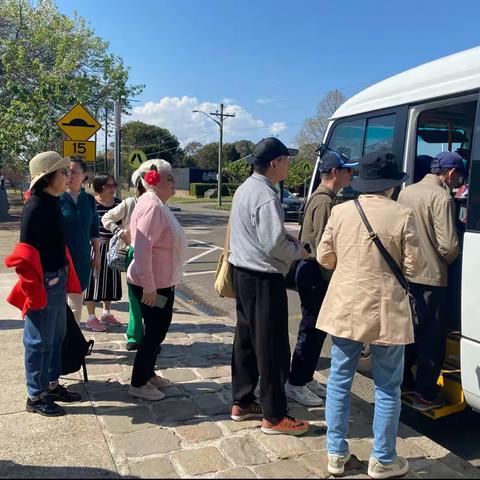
470,342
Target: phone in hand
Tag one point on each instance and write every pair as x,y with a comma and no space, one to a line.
161,301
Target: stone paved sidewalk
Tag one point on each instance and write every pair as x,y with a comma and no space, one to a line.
189,434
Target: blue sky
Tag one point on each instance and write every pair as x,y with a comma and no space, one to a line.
271,61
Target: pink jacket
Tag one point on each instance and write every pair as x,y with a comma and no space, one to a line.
159,243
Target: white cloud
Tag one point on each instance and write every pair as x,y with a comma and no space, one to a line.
277,127
175,114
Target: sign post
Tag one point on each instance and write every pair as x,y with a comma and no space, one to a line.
136,158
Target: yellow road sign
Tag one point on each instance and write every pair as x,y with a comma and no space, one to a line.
78,148
136,158
78,124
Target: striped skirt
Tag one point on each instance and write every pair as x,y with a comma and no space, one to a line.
107,286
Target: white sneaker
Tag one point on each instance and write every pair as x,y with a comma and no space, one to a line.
377,469
336,463
147,392
317,388
302,395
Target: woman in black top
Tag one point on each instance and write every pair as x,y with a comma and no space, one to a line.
106,284
42,228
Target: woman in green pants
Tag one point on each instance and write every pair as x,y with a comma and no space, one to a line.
117,220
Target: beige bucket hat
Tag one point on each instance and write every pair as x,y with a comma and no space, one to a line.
44,163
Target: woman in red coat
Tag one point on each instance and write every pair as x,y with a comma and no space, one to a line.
45,270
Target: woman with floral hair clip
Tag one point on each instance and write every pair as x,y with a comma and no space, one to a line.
160,247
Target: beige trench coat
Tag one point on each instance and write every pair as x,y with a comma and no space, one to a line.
365,301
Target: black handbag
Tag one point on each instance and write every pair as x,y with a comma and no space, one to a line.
75,348
391,263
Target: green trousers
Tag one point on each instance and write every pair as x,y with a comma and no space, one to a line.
135,323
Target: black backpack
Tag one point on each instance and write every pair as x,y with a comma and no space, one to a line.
75,348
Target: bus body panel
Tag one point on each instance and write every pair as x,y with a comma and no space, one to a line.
470,360
470,295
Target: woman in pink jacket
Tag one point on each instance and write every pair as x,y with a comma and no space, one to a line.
160,247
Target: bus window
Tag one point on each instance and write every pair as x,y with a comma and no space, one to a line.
473,210
379,135
441,129
347,138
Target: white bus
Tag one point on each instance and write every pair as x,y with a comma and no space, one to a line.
416,114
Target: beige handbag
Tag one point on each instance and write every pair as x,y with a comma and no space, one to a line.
224,277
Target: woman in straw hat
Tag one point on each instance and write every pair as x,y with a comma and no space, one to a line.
365,303
46,273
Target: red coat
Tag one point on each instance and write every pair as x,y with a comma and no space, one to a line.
29,292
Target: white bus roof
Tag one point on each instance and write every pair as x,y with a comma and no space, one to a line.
453,74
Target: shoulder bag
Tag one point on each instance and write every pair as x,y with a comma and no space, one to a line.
391,263
224,277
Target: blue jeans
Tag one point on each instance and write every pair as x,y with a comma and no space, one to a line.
387,369
43,336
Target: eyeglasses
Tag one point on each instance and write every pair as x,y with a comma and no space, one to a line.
65,171
170,178
110,185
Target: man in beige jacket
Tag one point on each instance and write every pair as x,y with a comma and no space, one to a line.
365,303
434,210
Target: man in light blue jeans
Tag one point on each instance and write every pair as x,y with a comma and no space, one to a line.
366,303
387,370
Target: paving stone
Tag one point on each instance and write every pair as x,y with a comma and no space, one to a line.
146,442
194,361
210,404
239,472
172,351
102,368
243,451
204,349
316,438
170,412
109,382
282,446
226,396
300,412
430,468
201,461
115,398
167,362
316,462
179,375
173,392
178,341
197,388
238,426
215,372
282,469
171,335
128,419
199,433
158,467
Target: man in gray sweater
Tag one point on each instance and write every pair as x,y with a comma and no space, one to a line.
261,252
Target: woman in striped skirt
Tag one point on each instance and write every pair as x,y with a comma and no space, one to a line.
105,284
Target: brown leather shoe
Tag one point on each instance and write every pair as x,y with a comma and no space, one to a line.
287,426
252,411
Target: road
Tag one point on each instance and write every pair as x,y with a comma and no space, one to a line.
205,229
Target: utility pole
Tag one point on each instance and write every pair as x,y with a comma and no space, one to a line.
118,141
221,115
105,163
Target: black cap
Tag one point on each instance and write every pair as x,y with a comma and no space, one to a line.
269,149
335,160
378,172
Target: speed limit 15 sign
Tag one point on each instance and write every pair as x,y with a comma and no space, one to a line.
79,148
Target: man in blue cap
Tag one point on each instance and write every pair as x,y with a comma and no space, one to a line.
312,280
434,210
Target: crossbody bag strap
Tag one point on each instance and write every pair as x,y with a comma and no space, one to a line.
387,257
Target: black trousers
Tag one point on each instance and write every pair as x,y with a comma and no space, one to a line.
311,289
428,351
157,322
261,346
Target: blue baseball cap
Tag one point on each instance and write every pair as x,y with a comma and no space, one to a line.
335,160
448,160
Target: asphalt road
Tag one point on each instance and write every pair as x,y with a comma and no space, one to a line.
205,229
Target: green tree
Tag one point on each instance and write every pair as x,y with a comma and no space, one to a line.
299,175
238,171
49,62
189,152
207,156
313,129
244,147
